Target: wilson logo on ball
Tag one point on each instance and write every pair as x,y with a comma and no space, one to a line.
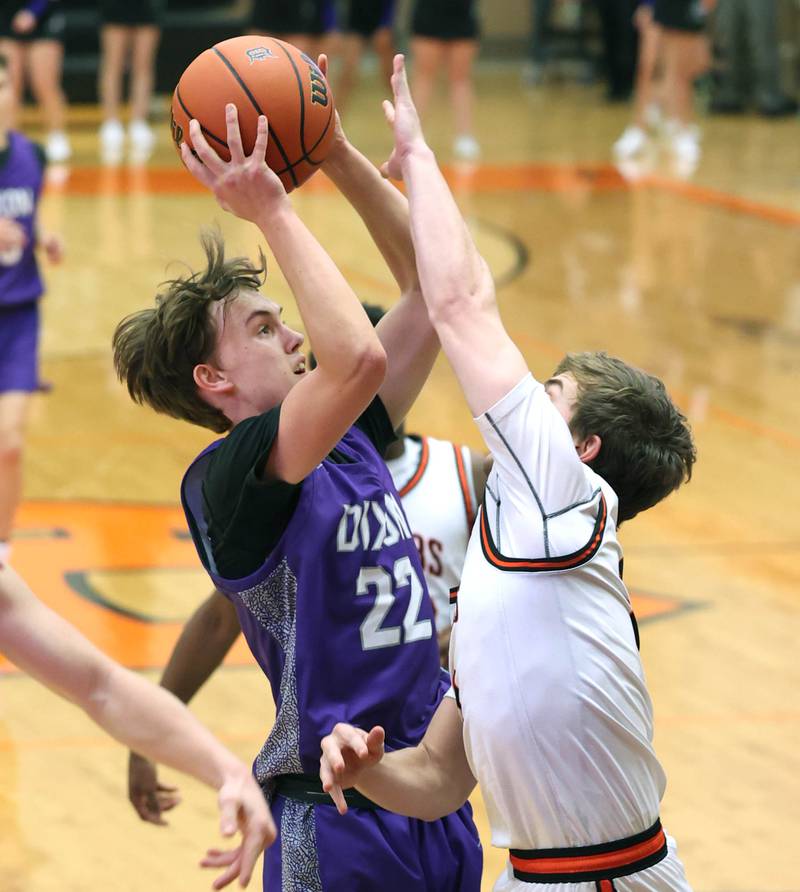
177,130
319,89
259,53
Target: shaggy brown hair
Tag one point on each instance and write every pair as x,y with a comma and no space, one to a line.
647,449
156,350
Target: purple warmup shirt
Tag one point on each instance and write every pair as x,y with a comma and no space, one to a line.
338,616
20,186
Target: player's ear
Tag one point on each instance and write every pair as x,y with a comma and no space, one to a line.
588,448
210,380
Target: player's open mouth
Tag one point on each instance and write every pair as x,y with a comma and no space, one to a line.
301,368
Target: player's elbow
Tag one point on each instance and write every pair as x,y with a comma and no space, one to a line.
449,788
368,366
458,299
436,807
94,694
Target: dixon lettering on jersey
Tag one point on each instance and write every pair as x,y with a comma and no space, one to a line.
16,202
371,526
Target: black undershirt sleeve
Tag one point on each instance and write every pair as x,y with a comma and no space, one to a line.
246,514
375,423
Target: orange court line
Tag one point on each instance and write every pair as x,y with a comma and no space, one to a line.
717,198
463,178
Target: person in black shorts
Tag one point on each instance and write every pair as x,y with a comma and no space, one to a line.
31,39
445,32
686,55
366,21
128,31
304,23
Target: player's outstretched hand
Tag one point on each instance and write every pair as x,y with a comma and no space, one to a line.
346,752
242,806
12,235
404,121
149,797
53,247
245,185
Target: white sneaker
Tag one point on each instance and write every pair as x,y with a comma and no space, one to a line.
112,139
57,147
632,143
685,149
466,147
654,116
142,140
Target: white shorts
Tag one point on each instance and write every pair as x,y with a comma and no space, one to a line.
666,876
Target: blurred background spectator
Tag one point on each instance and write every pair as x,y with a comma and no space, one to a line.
620,45
304,23
365,22
31,38
130,33
748,65
445,34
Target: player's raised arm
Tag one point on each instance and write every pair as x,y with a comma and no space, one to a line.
455,279
426,781
136,713
405,331
351,361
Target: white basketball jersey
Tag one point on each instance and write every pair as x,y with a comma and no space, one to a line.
557,719
434,480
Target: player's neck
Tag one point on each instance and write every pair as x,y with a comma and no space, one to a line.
4,132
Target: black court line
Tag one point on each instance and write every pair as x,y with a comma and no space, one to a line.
78,581
522,254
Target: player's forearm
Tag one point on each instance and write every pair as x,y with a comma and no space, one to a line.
199,651
336,324
157,725
410,783
452,273
134,711
382,207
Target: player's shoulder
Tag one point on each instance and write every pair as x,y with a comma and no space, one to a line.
524,391
596,482
23,141
245,442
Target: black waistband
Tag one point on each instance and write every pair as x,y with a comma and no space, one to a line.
605,861
308,788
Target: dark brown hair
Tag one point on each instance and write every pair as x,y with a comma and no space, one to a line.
647,449
156,350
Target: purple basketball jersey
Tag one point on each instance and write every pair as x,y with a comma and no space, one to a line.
20,187
338,616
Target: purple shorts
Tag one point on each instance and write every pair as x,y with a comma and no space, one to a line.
19,347
319,850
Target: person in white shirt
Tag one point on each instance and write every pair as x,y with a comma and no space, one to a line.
441,486
549,710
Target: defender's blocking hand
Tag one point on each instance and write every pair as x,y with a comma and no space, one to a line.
403,119
346,752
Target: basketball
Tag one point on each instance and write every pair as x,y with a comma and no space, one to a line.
259,75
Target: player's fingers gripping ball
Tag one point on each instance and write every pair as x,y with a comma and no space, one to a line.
259,75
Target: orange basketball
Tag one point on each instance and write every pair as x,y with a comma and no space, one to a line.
260,75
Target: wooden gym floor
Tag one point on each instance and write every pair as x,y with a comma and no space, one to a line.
699,282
